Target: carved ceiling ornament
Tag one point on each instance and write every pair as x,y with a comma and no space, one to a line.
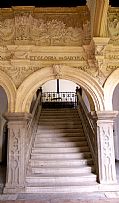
65,28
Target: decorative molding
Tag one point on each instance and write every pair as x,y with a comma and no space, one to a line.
45,27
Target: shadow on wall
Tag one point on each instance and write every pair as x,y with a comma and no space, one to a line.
115,102
3,127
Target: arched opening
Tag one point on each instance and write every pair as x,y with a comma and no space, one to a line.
3,134
115,101
33,82
66,86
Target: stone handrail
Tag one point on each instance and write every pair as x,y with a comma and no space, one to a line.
32,124
88,126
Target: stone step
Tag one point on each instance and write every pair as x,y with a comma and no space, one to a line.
60,181
61,144
39,140
63,126
86,187
57,124
60,150
56,116
61,163
59,134
66,130
59,120
61,156
62,171
59,110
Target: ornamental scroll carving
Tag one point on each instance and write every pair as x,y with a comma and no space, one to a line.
18,74
15,155
107,151
45,29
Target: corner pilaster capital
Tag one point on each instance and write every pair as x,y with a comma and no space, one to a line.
106,115
17,116
101,40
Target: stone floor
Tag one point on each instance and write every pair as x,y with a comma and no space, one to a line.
100,197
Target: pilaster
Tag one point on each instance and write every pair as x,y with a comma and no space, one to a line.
105,144
17,129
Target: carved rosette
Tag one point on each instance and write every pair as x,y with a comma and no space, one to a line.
105,143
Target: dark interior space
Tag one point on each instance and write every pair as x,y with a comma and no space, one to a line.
43,3
49,3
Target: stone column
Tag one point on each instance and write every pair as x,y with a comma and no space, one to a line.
105,144
17,129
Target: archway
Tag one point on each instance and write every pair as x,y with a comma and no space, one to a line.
10,90
115,102
109,87
3,134
34,81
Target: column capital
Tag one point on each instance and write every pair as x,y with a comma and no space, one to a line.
104,115
17,116
101,40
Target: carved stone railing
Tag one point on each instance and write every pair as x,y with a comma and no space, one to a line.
89,126
33,123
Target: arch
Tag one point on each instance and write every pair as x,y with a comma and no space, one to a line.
34,81
92,106
10,90
109,88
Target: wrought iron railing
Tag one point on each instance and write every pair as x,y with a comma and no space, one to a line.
59,97
33,123
88,125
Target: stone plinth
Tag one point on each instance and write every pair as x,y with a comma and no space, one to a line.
17,130
105,143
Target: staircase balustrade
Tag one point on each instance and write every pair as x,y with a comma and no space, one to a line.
61,99
89,125
33,123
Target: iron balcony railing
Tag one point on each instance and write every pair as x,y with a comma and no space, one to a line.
59,97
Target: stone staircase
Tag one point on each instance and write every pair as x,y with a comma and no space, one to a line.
60,160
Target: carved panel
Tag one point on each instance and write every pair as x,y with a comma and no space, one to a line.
18,74
66,28
107,152
14,155
113,25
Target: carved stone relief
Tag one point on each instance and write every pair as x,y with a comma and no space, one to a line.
18,74
113,25
46,29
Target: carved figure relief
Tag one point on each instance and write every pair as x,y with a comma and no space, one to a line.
113,25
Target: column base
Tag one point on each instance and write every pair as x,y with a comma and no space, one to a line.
10,189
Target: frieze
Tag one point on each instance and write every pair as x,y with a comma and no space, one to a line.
54,58
71,28
111,57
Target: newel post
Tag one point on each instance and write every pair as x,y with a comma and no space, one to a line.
105,145
17,130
